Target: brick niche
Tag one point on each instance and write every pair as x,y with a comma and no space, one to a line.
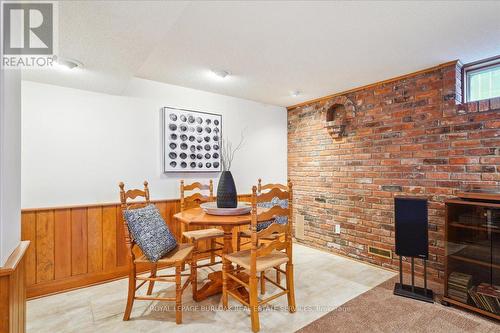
404,137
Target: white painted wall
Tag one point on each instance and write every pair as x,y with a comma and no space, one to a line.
77,145
10,162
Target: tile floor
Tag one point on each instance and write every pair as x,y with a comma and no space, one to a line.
323,282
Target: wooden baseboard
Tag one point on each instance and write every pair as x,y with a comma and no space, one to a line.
13,291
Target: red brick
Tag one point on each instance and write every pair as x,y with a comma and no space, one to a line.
463,160
492,124
390,162
411,148
466,176
472,107
484,105
495,103
490,160
466,143
491,177
438,175
408,137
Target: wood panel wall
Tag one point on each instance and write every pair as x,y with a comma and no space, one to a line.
74,247
13,292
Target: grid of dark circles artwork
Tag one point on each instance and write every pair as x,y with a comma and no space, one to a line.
192,141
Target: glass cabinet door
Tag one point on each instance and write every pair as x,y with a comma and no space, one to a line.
473,256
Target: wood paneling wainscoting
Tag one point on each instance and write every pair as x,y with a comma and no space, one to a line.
78,246
13,291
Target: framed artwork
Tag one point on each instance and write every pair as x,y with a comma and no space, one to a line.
191,141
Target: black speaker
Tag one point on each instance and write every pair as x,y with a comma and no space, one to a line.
411,217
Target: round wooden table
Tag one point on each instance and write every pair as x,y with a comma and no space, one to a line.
197,217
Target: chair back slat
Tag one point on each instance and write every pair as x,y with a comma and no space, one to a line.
273,229
196,185
124,205
132,194
275,245
271,213
273,193
261,187
197,198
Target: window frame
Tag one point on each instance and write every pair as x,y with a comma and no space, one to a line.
472,67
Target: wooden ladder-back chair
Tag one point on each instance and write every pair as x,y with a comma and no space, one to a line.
246,234
175,258
194,237
270,254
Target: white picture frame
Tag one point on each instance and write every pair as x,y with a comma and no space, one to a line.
191,141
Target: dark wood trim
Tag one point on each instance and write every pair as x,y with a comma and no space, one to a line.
397,78
479,196
13,291
474,261
14,259
93,205
470,307
446,254
472,203
105,204
473,227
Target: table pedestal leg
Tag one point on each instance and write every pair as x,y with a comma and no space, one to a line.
214,286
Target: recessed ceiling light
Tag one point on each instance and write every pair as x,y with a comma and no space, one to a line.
220,73
295,93
66,64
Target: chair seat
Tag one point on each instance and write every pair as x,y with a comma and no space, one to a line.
178,254
242,258
203,234
248,234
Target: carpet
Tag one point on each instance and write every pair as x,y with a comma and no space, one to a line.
378,310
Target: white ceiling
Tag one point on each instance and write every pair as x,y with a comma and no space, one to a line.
272,48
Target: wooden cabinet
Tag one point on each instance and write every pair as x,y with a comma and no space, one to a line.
472,266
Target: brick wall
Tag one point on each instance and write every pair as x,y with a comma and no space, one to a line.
407,137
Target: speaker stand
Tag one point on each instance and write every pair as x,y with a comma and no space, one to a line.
412,291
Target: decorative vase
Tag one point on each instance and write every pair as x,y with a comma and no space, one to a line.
226,191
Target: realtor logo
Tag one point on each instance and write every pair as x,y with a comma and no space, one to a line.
28,28
28,34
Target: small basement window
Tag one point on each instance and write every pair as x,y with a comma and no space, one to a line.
482,79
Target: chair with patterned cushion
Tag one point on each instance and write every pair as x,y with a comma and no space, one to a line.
145,228
196,237
246,234
263,255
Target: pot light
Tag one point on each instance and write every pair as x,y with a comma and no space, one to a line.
220,74
295,93
66,64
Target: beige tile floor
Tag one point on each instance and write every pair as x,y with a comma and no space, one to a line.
323,282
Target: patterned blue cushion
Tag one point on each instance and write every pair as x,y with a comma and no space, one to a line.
150,232
278,219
